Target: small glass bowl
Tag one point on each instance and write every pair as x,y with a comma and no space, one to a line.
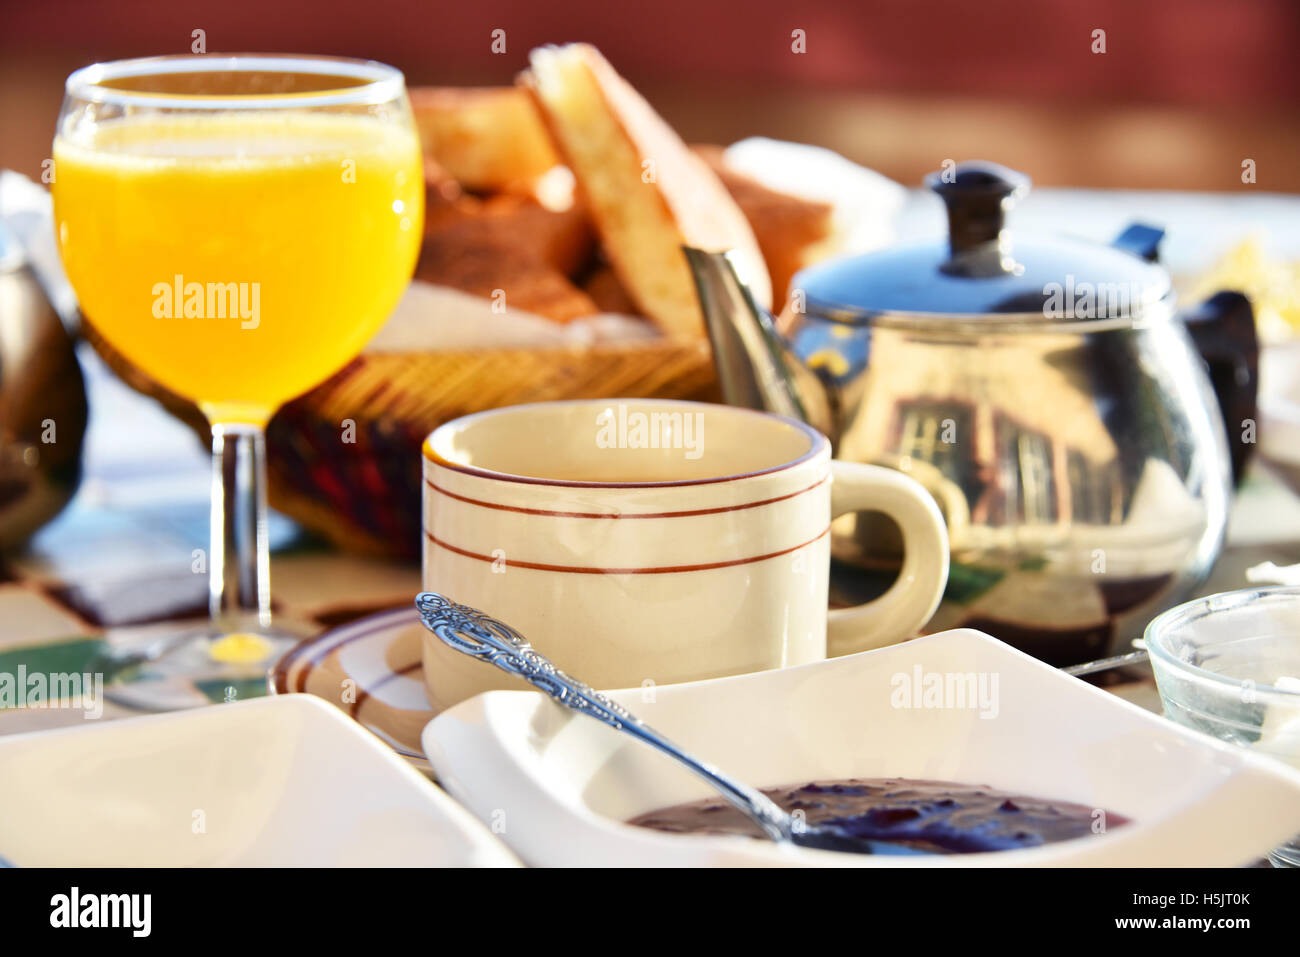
1229,666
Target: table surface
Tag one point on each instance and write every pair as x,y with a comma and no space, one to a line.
118,562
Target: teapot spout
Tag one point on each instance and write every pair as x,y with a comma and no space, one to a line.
756,368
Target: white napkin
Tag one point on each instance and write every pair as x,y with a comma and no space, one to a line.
430,316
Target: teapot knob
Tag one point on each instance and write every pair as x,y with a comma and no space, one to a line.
978,194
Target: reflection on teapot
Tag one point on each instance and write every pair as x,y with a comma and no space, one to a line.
1080,460
42,403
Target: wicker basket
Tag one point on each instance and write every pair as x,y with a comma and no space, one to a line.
364,495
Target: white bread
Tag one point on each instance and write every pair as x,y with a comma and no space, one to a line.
645,190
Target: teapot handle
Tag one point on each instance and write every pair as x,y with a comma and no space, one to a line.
1141,240
1223,331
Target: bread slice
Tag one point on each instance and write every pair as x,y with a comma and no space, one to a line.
512,250
791,230
507,277
646,192
488,139
560,238
605,290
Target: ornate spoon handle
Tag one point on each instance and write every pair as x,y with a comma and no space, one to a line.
473,633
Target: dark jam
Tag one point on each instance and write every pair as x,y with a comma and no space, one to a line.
929,817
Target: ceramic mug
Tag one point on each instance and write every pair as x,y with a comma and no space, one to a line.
644,542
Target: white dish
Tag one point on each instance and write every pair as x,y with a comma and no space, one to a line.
287,780
562,784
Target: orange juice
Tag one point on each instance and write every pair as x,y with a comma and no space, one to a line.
239,260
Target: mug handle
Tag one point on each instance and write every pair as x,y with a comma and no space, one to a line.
908,604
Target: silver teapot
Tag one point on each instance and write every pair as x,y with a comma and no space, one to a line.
1048,394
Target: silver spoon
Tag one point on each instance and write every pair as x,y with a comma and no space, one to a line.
473,633
1105,664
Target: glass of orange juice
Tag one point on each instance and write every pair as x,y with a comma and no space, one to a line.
237,227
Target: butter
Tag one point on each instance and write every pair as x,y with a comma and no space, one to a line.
240,647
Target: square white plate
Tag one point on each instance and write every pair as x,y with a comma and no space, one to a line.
558,785
281,781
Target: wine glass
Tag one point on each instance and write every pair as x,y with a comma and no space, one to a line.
237,227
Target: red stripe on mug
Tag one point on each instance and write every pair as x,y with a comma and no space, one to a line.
682,514
583,570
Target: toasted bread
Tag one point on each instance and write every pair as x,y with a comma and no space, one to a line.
511,250
510,278
517,225
788,228
440,189
646,192
488,139
608,293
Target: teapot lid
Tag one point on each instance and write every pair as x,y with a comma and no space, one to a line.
979,271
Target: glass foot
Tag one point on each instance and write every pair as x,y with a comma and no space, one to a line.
194,668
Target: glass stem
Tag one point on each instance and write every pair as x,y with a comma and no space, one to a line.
239,574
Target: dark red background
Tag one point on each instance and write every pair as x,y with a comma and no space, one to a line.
1186,89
